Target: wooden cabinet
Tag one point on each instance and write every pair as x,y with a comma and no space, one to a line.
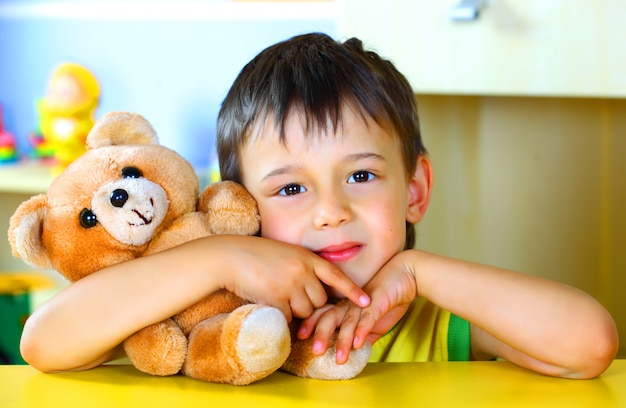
523,111
513,47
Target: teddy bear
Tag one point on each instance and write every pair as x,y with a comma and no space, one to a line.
128,197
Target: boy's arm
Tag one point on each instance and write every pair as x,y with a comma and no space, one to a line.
539,324
82,325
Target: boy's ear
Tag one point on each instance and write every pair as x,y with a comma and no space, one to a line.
419,187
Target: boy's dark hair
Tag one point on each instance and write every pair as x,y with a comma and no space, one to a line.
317,75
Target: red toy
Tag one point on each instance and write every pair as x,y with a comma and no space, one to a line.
7,143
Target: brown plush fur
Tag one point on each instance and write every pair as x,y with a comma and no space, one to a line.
222,338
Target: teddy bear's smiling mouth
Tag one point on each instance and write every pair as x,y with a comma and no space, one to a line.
146,220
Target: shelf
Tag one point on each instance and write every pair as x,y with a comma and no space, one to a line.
25,178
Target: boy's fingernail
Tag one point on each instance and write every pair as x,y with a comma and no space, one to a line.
317,347
339,356
364,300
302,331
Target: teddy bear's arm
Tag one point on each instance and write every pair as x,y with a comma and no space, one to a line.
230,209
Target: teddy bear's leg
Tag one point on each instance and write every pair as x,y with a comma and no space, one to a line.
238,348
159,349
303,363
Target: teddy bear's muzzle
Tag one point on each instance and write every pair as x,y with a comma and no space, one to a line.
131,209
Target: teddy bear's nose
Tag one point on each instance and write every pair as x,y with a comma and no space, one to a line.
119,198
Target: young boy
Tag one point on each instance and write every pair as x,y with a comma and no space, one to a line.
325,136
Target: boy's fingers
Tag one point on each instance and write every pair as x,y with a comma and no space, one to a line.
345,338
316,294
301,306
323,332
307,326
363,328
287,312
376,322
335,278
368,319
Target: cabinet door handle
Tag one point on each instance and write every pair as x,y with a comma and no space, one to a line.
467,10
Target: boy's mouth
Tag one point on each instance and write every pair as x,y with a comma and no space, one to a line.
340,253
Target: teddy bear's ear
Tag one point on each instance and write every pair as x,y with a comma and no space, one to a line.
25,229
116,128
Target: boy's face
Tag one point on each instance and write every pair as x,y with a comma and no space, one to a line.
344,196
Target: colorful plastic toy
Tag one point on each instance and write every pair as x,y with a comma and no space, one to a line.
8,151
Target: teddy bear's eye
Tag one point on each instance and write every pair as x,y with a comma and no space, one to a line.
87,218
131,172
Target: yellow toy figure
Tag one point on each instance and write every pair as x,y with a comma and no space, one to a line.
66,114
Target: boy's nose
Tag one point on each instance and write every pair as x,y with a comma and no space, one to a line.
333,210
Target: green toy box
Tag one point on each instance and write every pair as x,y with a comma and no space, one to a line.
14,309
15,306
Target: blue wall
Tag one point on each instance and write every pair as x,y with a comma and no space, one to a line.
174,72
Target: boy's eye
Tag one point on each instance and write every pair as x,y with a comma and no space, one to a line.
360,176
292,189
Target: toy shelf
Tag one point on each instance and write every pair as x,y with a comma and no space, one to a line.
25,178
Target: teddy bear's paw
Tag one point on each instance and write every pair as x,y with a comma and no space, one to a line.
159,349
230,209
240,347
263,341
325,367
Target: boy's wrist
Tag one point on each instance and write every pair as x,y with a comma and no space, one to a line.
416,266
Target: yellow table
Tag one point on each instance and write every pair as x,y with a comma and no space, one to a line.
398,385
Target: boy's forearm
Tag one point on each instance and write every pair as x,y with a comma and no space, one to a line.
535,322
80,326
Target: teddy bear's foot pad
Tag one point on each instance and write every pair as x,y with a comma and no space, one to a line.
239,348
325,367
264,340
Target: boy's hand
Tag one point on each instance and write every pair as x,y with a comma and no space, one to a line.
288,277
392,290
347,317
323,323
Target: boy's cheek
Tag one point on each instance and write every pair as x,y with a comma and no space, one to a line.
279,229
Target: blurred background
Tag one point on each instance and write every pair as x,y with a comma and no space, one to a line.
522,105
172,62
